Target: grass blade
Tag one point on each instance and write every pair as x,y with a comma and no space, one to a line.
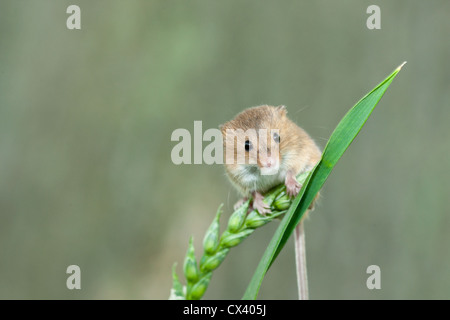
340,140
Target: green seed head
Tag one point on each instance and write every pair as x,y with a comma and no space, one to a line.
238,217
209,263
270,196
282,203
198,290
256,222
211,239
190,264
231,240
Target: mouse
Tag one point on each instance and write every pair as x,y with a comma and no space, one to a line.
264,148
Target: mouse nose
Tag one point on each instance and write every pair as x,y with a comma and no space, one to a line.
268,166
268,162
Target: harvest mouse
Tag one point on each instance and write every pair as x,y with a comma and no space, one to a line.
264,148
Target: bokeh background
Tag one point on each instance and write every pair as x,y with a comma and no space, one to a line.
86,118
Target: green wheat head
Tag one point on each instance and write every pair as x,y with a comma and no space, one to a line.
216,246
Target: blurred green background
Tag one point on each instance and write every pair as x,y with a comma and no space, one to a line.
86,118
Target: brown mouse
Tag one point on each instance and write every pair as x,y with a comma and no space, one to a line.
264,148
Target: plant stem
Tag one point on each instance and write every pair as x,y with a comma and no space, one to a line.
300,262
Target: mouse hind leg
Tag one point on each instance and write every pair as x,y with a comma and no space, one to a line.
259,204
238,204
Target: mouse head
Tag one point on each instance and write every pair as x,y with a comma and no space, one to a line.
252,140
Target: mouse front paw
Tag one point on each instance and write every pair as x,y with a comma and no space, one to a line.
292,187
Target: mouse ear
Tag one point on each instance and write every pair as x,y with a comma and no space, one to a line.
282,110
223,127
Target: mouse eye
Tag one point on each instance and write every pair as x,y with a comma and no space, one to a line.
276,137
248,145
